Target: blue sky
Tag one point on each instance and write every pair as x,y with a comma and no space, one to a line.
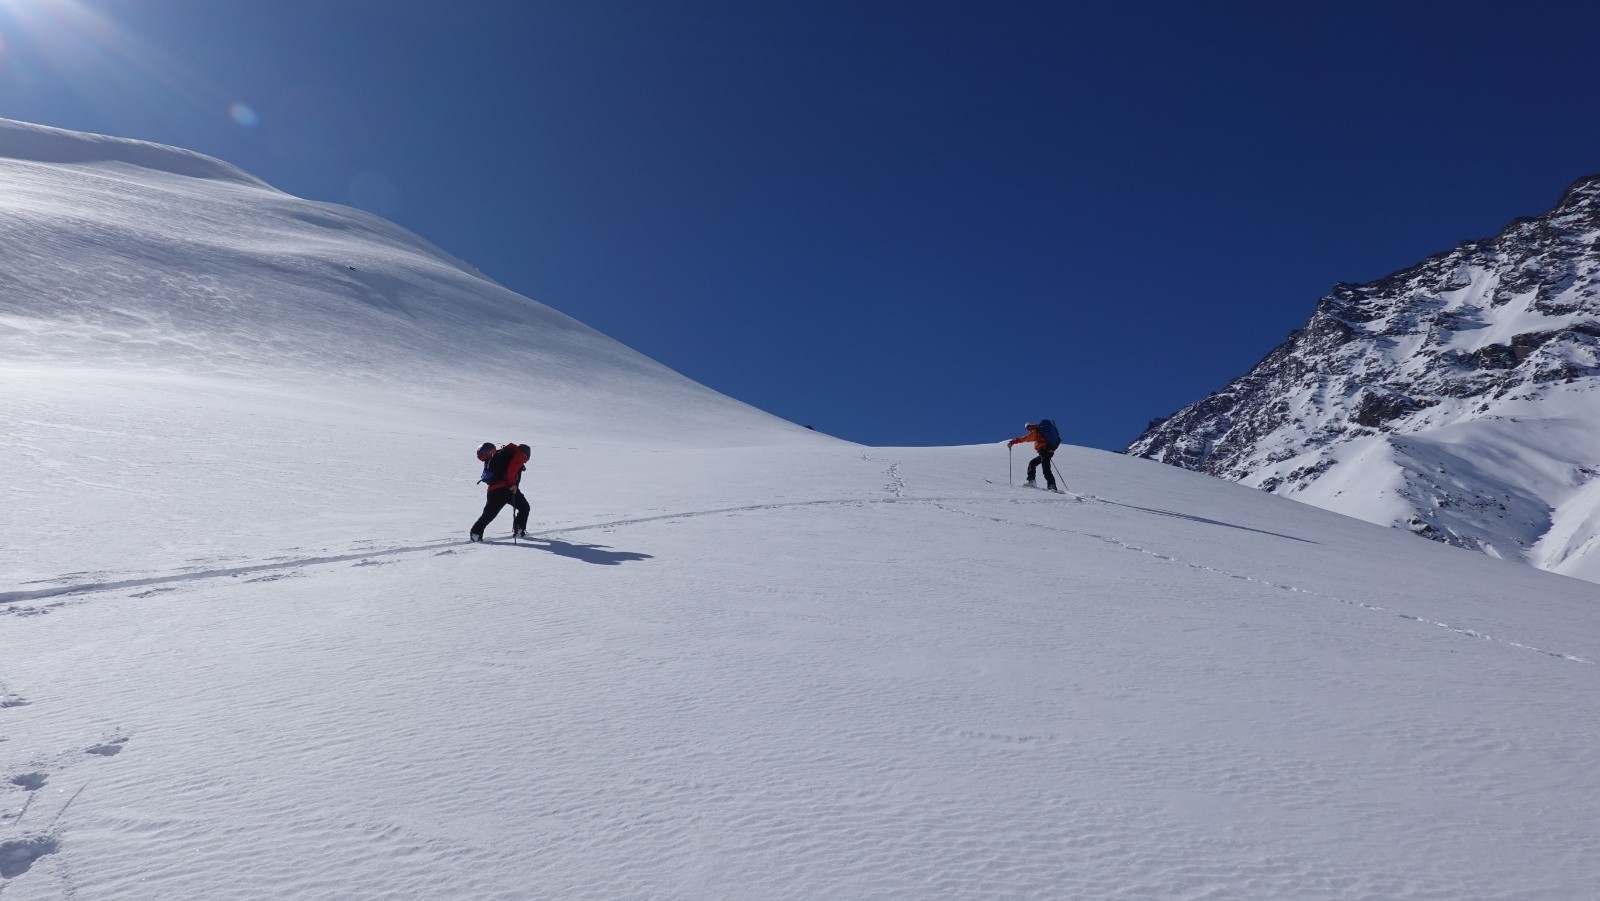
902,223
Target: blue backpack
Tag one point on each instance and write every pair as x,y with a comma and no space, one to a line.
494,469
1052,435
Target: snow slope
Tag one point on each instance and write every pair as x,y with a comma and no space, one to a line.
245,653
124,257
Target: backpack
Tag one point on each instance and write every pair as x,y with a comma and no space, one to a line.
494,468
1052,435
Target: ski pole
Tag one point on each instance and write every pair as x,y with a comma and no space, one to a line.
1008,467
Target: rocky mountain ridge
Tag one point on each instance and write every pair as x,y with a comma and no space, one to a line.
1459,398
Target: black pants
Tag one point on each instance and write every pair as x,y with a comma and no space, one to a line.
1033,466
497,500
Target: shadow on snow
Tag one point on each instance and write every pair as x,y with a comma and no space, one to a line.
1210,522
589,553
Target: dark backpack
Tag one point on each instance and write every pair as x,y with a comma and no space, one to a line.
1052,435
494,468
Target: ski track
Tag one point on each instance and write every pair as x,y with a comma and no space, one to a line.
896,486
1166,558
15,597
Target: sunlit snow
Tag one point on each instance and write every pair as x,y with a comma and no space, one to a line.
246,651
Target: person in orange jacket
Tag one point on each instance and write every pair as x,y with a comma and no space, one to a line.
1046,452
505,487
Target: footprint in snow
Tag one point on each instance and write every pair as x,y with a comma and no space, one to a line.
30,781
18,854
1001,739
108,749
276,576
19,610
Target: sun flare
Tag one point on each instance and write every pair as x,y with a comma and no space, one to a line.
66,43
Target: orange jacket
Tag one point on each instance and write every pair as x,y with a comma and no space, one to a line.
1033,435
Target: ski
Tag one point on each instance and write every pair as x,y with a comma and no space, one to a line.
1061,492
505,539
1029,487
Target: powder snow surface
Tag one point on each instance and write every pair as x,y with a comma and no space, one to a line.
245,651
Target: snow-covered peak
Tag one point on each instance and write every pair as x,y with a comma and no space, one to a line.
23,141
1458,398
1584,194
123,256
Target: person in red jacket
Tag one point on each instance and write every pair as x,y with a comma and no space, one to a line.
1041,445
505,487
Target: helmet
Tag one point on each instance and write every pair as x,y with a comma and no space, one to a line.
526,450
1030,426
485,449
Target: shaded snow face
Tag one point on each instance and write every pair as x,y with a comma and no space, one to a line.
1459,399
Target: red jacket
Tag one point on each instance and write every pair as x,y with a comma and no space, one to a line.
519,461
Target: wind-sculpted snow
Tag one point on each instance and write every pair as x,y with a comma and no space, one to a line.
42,144
247,652
125,257
872,675
1457,399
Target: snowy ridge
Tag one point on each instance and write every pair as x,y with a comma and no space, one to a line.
127,257
43,144
246,652
1459,399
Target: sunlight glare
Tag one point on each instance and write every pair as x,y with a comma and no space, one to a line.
77,44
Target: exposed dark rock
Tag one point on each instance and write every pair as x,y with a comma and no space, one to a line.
1378,408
